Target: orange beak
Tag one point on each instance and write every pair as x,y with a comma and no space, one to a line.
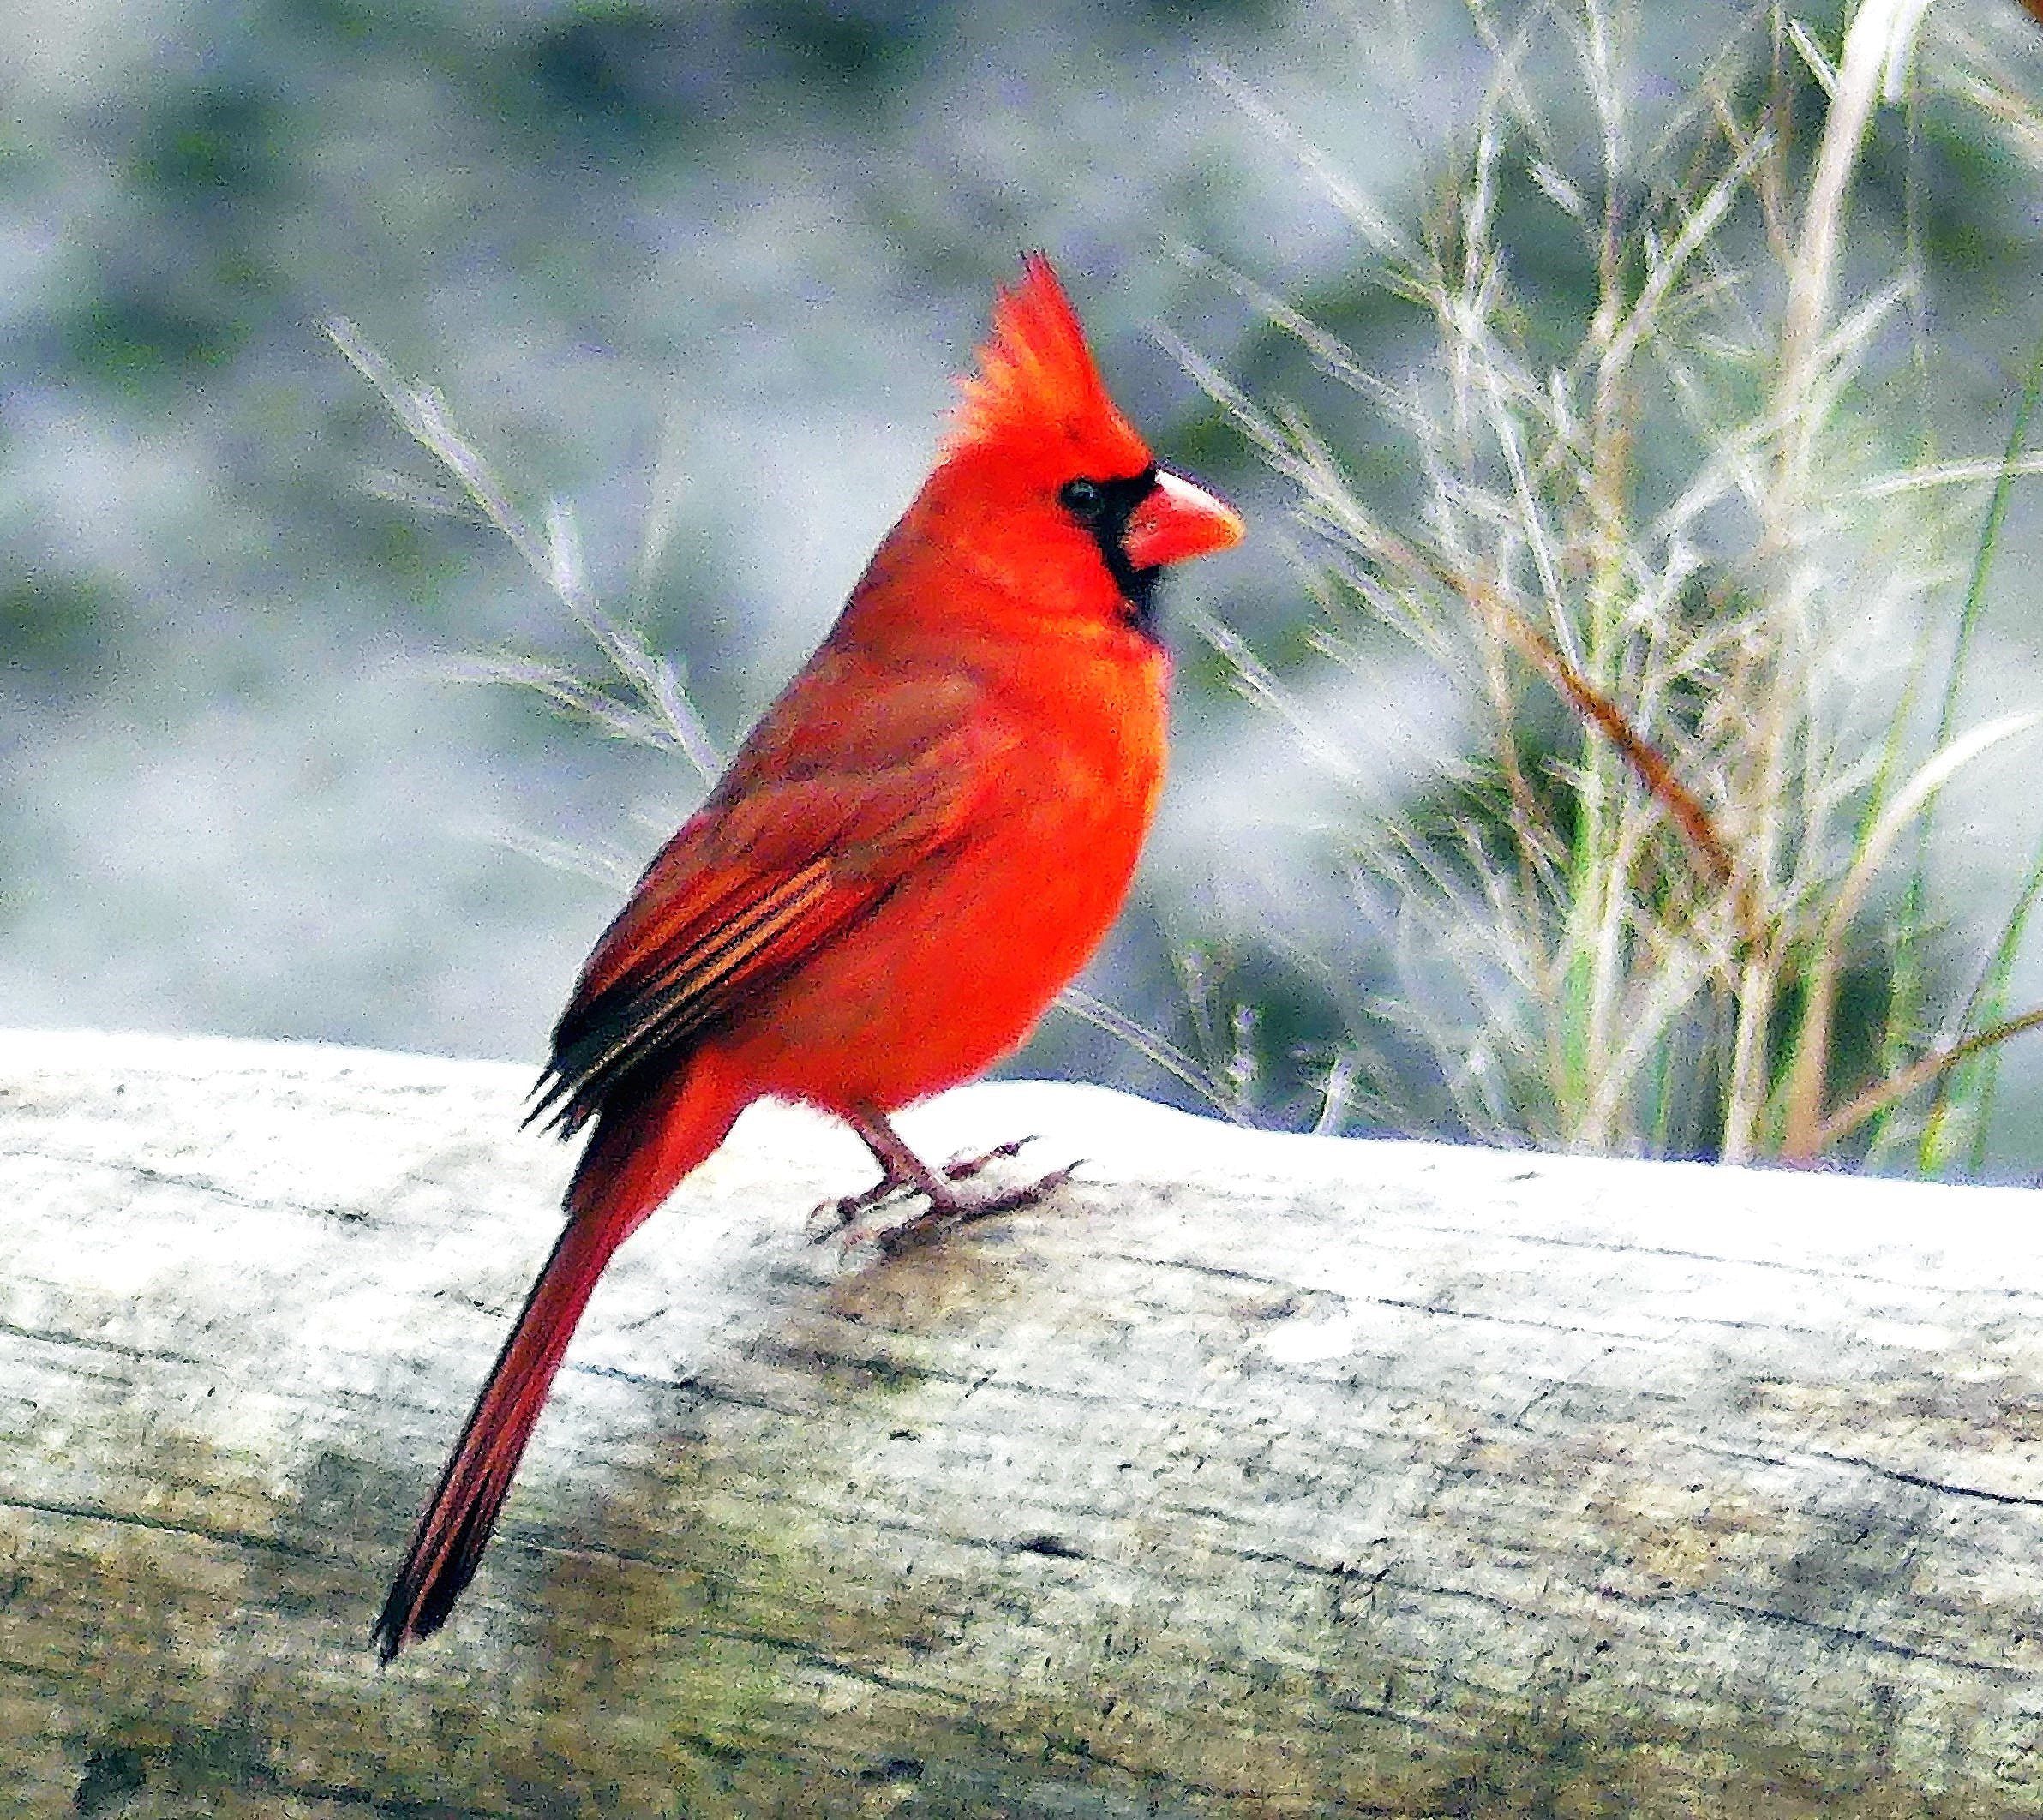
1177,521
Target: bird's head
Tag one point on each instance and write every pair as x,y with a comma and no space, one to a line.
1046,486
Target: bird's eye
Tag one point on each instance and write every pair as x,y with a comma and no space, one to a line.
1083,497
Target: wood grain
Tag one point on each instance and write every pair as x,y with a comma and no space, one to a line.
1251,1476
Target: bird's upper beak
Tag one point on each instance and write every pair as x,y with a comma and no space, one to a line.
1177,520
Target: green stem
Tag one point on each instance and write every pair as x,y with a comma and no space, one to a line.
1903,1010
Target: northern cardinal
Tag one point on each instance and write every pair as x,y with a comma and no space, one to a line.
917,847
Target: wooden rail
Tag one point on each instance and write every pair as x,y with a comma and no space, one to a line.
1251,1476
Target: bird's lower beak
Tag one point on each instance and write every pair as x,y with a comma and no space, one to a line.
1177,521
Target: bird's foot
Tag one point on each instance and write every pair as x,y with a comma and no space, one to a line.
944,1205
954,1209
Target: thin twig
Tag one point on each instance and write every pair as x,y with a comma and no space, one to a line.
1882,1094
1708,847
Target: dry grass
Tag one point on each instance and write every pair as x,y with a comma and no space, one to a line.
1691,912
640,696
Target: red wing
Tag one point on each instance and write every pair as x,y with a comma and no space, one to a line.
762,875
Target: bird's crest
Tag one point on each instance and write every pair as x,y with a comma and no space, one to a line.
1037,382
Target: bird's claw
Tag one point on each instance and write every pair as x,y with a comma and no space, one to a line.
843,1218
958,1210
830,1218
963,1168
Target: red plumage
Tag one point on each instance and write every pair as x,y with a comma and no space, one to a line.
922,841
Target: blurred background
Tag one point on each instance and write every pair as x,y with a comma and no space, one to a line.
703,273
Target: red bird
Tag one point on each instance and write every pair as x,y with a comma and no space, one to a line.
924,838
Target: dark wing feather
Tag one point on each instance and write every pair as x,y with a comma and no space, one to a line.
820,817
742,937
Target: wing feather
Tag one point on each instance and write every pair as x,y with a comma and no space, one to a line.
772,867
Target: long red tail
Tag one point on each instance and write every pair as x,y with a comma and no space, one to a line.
630,1165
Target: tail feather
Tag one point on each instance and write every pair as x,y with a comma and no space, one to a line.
632,1162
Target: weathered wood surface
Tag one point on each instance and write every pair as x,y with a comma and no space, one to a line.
1252,1475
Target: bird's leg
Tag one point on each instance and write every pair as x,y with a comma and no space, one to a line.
903,1172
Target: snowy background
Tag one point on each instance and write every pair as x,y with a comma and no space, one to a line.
703,271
